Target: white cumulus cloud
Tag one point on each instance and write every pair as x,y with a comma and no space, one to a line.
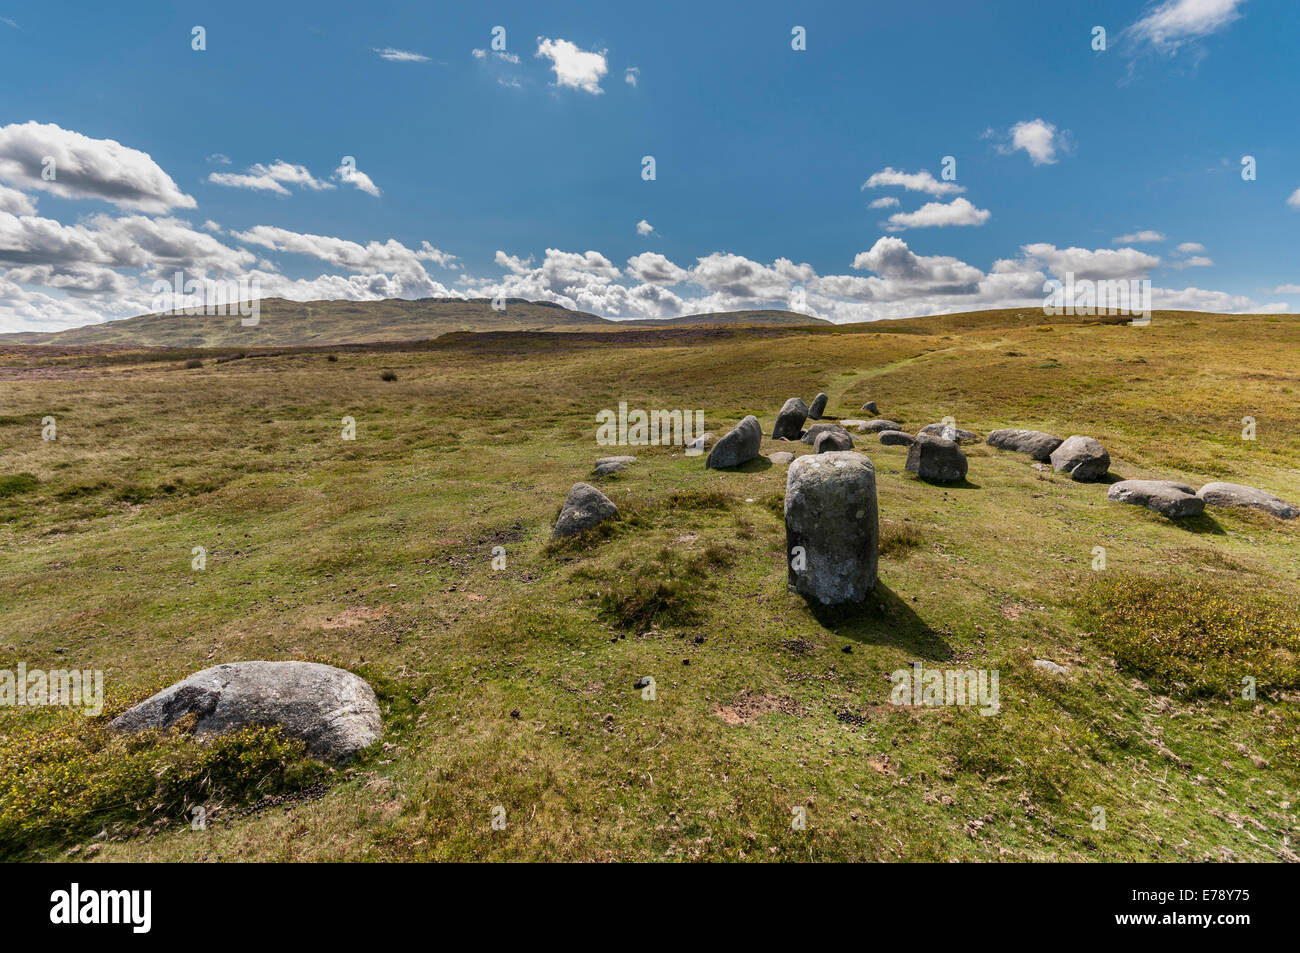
575,68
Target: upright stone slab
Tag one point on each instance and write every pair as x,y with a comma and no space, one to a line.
832,527
738,445
789,422
818,407
936,459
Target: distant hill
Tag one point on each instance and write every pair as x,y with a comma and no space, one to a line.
292,323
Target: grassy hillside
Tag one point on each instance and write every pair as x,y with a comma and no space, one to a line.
513,688
294,323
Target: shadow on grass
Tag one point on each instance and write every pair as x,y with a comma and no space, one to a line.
757,465
962,484
886,618
1203,524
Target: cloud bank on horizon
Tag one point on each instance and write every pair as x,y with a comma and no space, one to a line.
89,223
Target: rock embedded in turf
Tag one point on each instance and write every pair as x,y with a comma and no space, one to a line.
943,430
781,456
812,433
700,443
737,446
896,438
879,424
332,710
829,441
1235,494
607,465
1166,497
870,407
936,459
789,422
584,507
832,527
1084,458
1047,665
818,407
1037,444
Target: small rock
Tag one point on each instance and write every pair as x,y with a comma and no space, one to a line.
870,407
1047,665
781,456
879,424
896,438
700,444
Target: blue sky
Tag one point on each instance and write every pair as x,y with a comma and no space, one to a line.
522,173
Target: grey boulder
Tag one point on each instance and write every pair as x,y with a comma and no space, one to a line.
1166,497
1037,444
1084,458
1234,494
816,430
879,424
584,507
607,465
832,527
789,422
950,433
870,407
831,440
818,407
738,445
781,456
936,459
896,438
333,711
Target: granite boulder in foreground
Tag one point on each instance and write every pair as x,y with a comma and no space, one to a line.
332,710
832,527
584,507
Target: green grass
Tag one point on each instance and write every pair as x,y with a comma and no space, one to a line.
513,687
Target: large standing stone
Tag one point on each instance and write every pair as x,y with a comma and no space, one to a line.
816,430
831,440
584,507
832,527
950,433
879,424
1084,458
896,438
1166,497
789,422
936,459
332,710
1234,494
1037,444
738,445
818,407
